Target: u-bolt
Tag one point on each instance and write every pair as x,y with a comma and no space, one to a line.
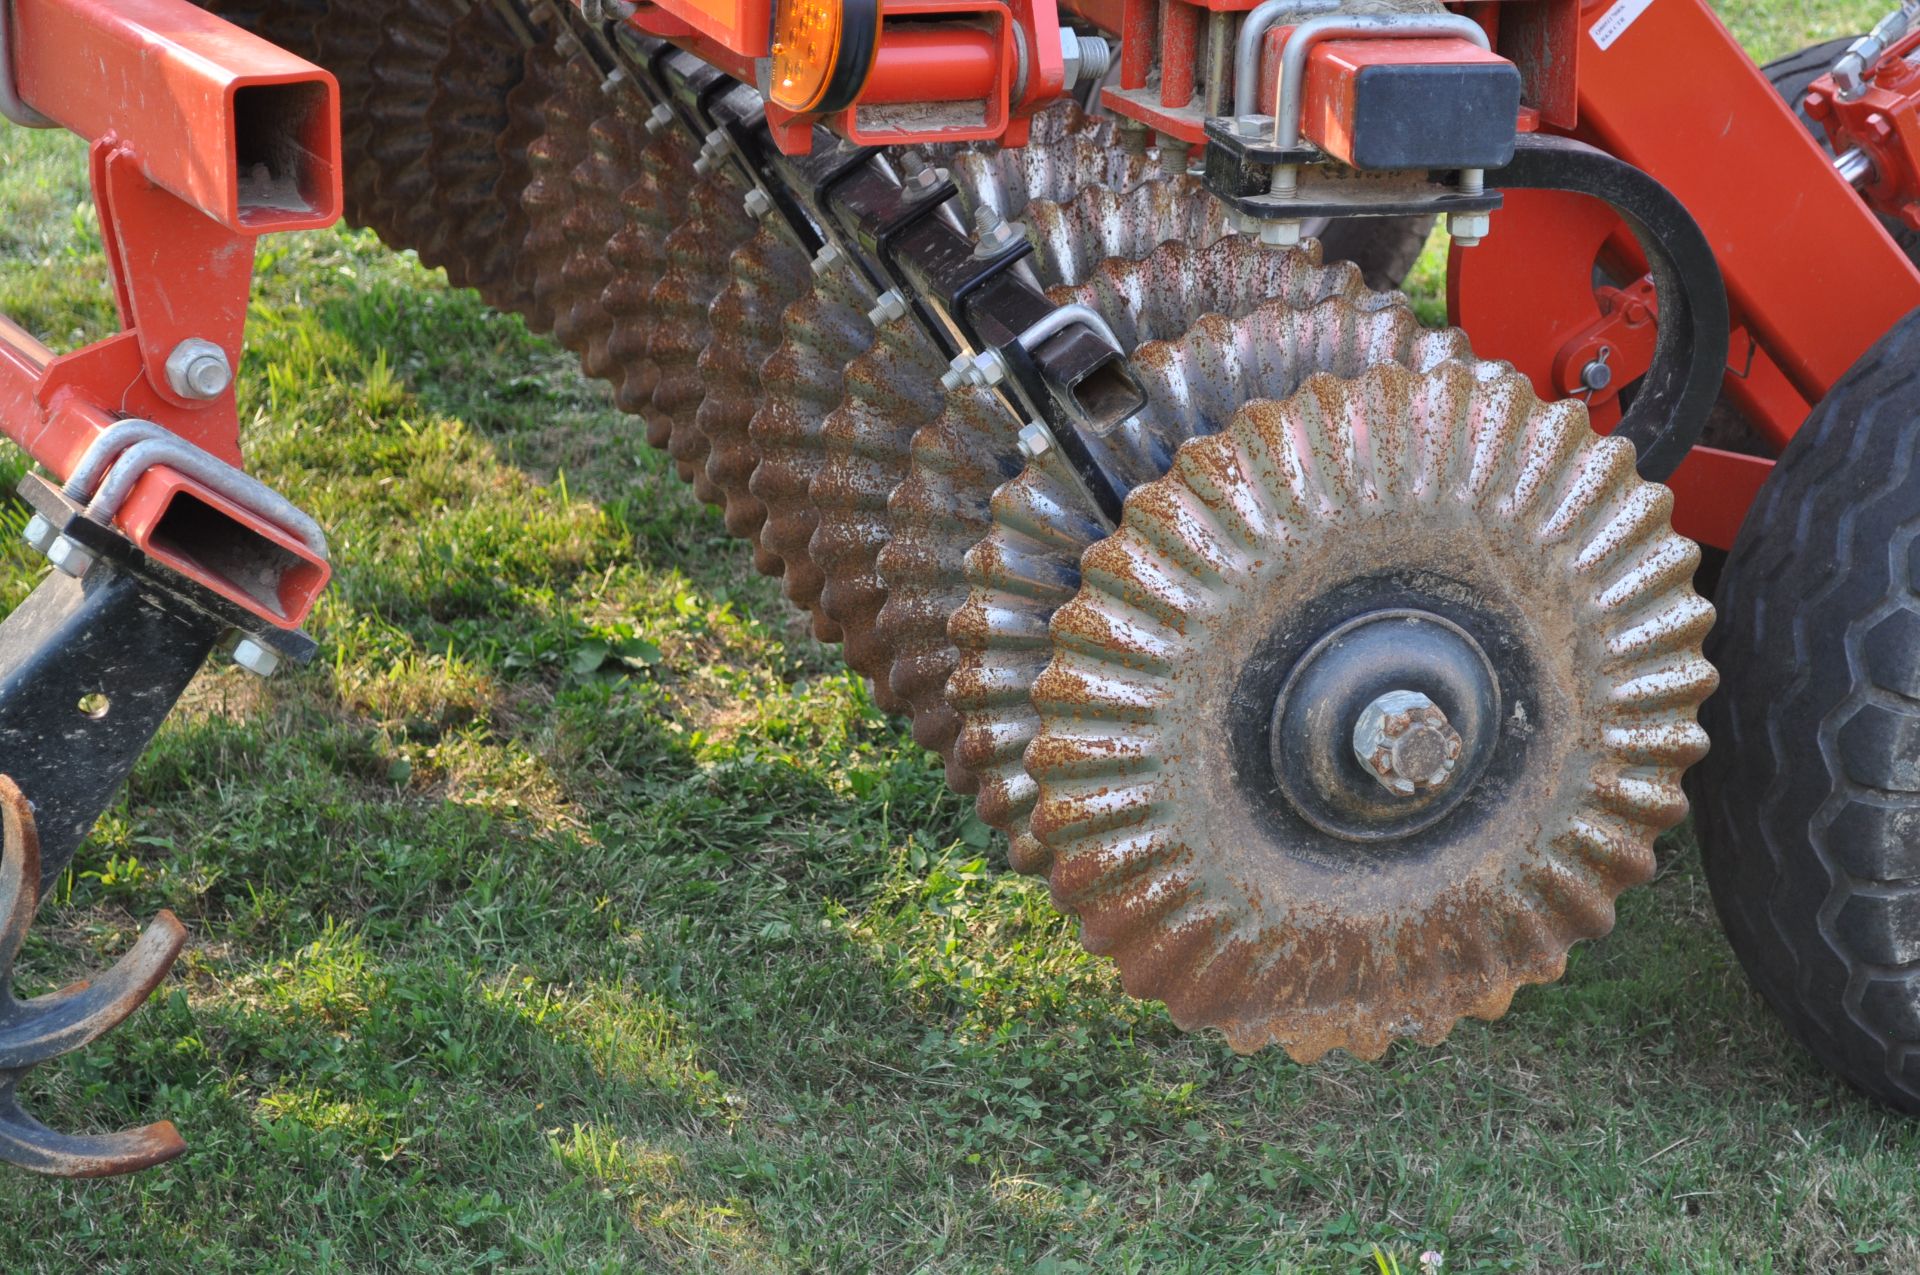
1246,49
1293,70
990,367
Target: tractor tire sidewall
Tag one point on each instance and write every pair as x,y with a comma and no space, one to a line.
1808,805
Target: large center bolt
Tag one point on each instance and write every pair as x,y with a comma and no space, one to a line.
1405,741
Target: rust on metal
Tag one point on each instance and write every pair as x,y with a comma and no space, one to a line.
1195,881
413,42
526,121
344,42
1217,327
565,116
581,322
649,209
473,156
935,515
802,379
43,1028
696,259
765,275
891,389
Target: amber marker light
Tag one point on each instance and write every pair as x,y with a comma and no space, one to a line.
822,53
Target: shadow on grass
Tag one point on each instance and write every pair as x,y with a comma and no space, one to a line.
577,915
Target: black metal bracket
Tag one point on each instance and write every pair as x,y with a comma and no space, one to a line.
90,668
1670,407
1239,172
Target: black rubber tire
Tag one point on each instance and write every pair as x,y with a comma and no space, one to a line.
1384,248
1792,76
1808,806
1795,73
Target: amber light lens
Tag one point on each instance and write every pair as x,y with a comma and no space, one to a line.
806,47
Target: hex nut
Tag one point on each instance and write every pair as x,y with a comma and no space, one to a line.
69,558
890,305
198,370
1035,440
989,368
1280,233
39,533
259,660
827,258
1405,741
1469,229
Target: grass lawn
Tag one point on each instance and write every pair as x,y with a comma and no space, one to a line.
576,912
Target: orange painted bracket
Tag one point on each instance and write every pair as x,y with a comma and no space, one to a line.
203,138
242,130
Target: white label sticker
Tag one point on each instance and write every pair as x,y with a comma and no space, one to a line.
1614,22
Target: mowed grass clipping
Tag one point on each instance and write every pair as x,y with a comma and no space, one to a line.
575,912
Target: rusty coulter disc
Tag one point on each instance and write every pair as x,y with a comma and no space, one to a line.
1028,563
1561,639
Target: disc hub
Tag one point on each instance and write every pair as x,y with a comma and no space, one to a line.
1384,724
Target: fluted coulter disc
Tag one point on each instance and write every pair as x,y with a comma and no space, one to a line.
1369,709
1027,565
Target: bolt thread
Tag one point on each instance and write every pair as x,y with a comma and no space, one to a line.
1096,55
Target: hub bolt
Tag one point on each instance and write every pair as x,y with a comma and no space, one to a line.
658,119
198,370
757,203
1405,741
1596,375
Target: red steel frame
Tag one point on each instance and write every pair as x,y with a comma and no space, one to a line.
203,137
1812,277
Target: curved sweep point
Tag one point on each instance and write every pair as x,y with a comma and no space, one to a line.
31,1145
38,1030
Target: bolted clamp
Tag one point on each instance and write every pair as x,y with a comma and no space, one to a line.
989,367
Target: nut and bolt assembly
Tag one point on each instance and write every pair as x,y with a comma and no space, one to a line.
199,370
712,151
40,534
1084,57
1469,228
918,178
257,659
890,305
827,258
1403,740
1035,440
994,235
69,558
